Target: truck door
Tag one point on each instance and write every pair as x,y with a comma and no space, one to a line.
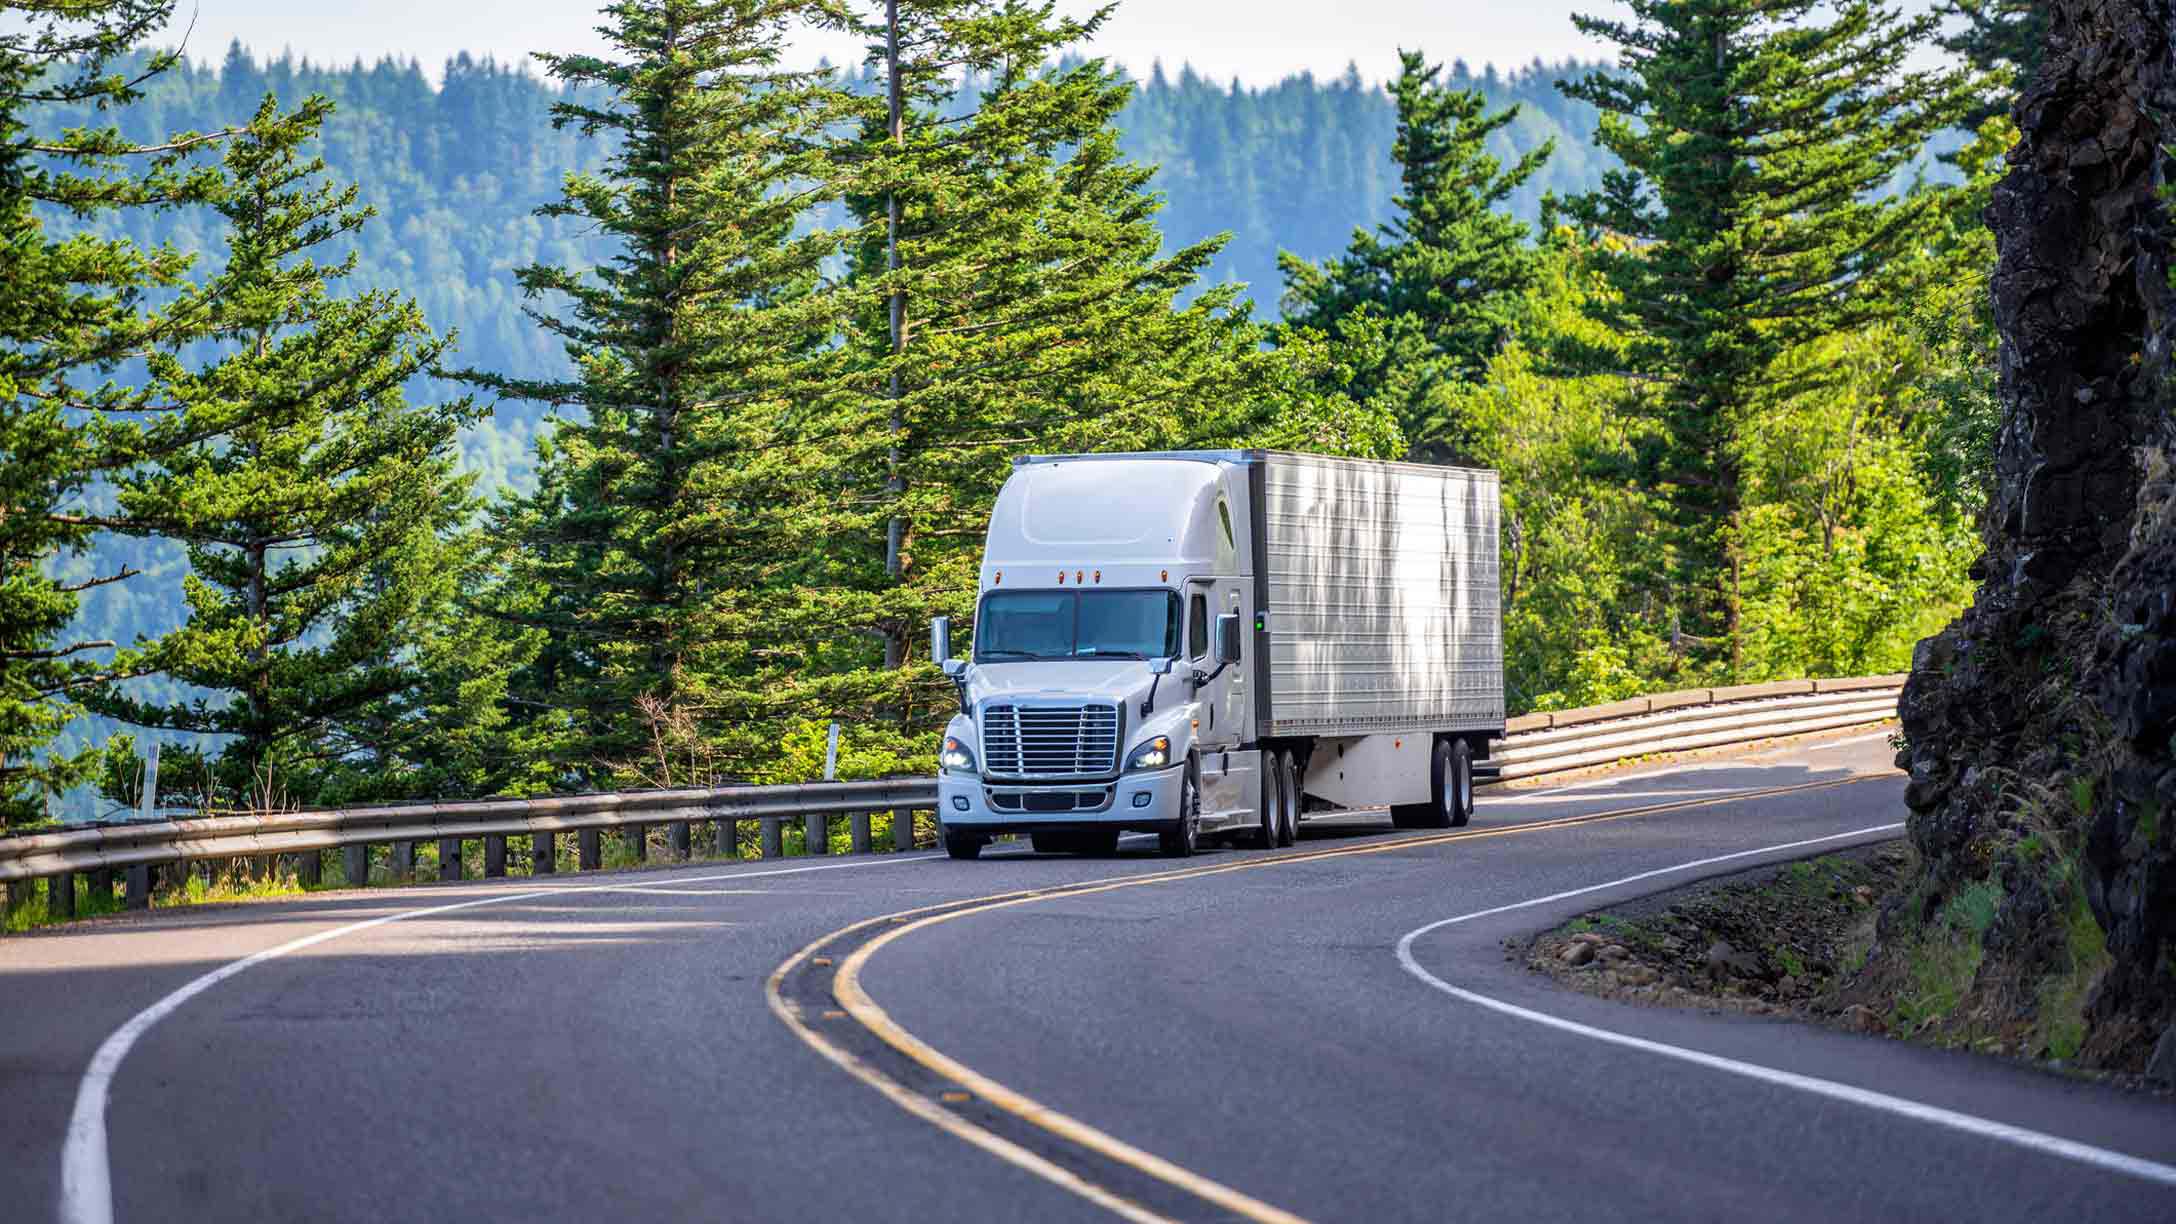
1227,774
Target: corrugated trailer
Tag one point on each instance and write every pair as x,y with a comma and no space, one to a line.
1381,585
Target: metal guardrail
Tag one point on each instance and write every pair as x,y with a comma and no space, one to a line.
1536,744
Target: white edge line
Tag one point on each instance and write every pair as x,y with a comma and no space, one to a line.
1970,1124
86,1178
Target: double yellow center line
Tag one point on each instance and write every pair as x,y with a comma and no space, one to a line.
855,1004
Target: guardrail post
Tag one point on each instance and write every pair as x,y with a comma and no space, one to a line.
403,864
680,840
60,896
774,839
590,849
19,892
638,842
859,823
355,860
903,829
449,858
139,886
728,838
310,867
175,875
543,853
102,883
816,831
494,855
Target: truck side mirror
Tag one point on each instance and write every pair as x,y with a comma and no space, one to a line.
940,639
1227,640
1159,666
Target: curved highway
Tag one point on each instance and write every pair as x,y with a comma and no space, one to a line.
1328,1032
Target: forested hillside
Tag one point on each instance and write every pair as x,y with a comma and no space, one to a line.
625,423
457,172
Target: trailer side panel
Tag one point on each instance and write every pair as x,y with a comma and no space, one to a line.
1383,597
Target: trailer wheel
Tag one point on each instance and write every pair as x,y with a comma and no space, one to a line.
1271,834
1462,779
1289,798
1184,836
963,845
1441,808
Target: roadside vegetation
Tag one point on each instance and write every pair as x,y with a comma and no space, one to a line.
805,330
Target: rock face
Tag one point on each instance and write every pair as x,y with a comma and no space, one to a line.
2040,725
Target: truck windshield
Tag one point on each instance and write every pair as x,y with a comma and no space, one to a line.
1019,625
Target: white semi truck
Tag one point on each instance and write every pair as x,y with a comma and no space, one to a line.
1216,644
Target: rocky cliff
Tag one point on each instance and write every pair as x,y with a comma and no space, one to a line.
2041,727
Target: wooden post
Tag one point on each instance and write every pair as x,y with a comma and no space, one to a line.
728,838
310,868
859,822
638,842
543,853
403,864
494,855
449,858
903,830
175,875
816,831
680,841
774,839
102,884
590,848
139,886
60,896
356,862
19,894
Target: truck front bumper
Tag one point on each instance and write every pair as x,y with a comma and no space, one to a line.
1142,802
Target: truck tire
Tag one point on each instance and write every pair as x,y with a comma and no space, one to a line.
1462,783
1288,819
963,845
1441,808
1271,834
1182,838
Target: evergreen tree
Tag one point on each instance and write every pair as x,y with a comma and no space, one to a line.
72,310
1447,275
2003,40
1755,138
632,549
311,497
1010,294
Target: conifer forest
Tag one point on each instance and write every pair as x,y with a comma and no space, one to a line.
621,420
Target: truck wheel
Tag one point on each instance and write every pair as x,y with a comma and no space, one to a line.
1439,811
1272,831
1288,817
1183,837
1462,776
963,845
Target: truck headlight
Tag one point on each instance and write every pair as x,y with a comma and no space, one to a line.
956,755
1152,754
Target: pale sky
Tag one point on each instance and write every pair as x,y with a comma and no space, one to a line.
1257,41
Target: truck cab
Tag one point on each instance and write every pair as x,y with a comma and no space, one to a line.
1108,657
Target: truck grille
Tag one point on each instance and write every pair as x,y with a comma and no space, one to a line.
1036,741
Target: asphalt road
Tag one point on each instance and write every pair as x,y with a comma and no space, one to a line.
1237,1035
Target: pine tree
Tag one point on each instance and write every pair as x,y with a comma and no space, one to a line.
311,498
1755,138
72,309
1011,294
2003,40
1447,276
704,316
